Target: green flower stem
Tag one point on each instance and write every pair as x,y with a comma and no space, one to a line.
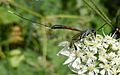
44,44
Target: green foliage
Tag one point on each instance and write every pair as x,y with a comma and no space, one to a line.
30,49
6,17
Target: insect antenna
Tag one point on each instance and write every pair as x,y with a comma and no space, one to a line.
49,26
99,12
28,19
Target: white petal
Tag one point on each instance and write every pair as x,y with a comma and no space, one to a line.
109,72
64,52
76,64
83,70
89,61
69,60
91,73
73,69
102,72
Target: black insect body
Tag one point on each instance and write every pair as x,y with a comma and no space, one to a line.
79,37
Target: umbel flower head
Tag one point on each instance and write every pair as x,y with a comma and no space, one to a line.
94,55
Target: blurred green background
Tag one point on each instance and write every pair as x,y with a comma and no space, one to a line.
27,48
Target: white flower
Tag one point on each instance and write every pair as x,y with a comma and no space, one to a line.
76,63
89,68
106,69
102,55
116,60
66,50
80,71
90,56
115,70
93,55
111,56
92,69
108,40
116,46
69,60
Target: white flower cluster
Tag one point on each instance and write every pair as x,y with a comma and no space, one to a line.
95,55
